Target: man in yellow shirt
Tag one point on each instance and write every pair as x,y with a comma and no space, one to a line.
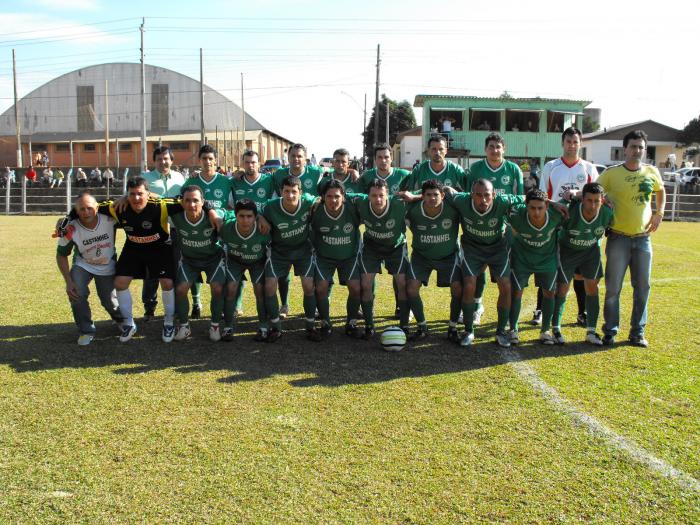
629,187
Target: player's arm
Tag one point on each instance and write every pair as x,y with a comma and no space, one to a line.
62,252
518,183
658,216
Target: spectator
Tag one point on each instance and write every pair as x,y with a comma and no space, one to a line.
45,158
31,176
312,160
58,177
96,176
81,178
108,177
8,176
47,176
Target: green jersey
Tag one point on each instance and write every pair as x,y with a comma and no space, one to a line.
579,234
386,231
289,230
534,249
451,175
336,238
433,237
259,191
350,187
196,239
506,179
309,179
246,250
216,191
482,228
393,180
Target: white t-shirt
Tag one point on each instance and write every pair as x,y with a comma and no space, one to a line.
557,177
94,247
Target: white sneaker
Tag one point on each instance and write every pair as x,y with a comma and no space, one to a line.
85,339
128,331
460,319
558,337
168,333
513,337
183,332
284,311
467,339
594,339
502,340
214,333
478,313
546,338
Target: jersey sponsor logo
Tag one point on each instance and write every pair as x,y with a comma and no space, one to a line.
292,233
348,227
446,223
261,193
493,222
282,226
574,232
580,178
324,229
103,237
599,231
240,192
143,240
435,239
390,223
193,243
218,193
505,179
337,241
183,233
146,225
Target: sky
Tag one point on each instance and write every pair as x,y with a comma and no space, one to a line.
308,65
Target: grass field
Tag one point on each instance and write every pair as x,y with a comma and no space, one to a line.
343,432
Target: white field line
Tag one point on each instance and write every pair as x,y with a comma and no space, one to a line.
597,428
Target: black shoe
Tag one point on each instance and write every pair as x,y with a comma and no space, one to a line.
397,313
326,330
638,340
581,320
419,334
369,333
314,335
273,335
196,312
260,336
227,334
453,335
149,314
536,318
608,340
352,330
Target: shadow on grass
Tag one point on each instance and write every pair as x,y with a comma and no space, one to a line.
334,362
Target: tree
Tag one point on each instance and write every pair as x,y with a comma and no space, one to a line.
401,118
590,125
505,95
691,133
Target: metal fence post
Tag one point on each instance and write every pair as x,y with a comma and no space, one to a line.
674,204
24,193
7,194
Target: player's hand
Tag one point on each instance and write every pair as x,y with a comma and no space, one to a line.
120,204
263,225
563,210
570,195
61,225
215,220
72,291
654,223
354,175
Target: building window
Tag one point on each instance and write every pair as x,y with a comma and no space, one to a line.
62,148
617,154
159,107
89,147
522,120
180,146
484,120
446,120
125,146
86,107
555,122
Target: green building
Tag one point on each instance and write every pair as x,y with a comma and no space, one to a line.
531,127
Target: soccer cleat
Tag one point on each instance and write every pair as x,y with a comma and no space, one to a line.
460,318
546,338
260,336
608,340
581,320
284,311
85,339
514,337
478,313
326,330
352,330
467,339
227,334
168,333
314,335
558,338
369,333
149,313
196,311
273,335
238,312
397,313
183,332
214,333
536,318
638,340
502,340
128,331
594,339
453,335
420,333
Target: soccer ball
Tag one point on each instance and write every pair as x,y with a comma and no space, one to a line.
393,339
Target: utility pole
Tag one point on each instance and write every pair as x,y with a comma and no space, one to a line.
376,102
243,120
144,153
106,119
364,129
201,95
19,138
387,122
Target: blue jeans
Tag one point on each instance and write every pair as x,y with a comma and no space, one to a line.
622,251
105,290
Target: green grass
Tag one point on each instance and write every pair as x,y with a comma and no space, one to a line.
340,432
